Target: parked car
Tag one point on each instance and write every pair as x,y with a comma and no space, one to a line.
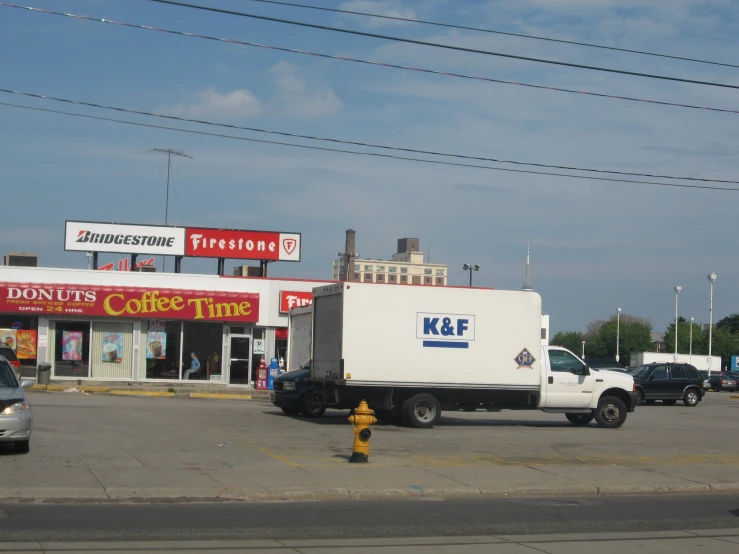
8,353
605,364
16,420
291,394
704,375
724,381
668,382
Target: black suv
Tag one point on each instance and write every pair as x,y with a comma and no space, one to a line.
668,382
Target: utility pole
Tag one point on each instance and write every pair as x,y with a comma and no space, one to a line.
471,268
678,288
712,280
169,153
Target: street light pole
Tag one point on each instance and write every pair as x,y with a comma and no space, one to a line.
169,153
691,340
618,333
471,268
712,280
583,350
678,288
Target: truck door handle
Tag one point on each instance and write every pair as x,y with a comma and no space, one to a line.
551,380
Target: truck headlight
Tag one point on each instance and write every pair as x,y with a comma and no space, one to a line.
288,385
15,409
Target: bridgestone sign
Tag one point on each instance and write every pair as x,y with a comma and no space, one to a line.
84,236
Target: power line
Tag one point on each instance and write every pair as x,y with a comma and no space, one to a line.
372,154
374,63
495,32
355,143
447,46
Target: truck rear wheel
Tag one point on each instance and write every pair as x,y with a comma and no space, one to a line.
422,411
611,412
311,406
579,419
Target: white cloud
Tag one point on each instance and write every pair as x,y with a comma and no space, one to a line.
388,8
294,97
236,104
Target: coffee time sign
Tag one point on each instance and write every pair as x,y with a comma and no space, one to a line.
129,302
195,242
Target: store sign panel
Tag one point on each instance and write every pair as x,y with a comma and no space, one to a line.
145,303
82,236
293,299
242,245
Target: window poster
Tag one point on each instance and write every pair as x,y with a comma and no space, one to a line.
72,346
113,347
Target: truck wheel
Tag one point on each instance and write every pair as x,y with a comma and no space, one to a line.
422,411
691,398
611,412
669,402
311,406
579,419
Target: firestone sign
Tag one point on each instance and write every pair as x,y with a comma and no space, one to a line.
129,302
81,236
248,245
294,299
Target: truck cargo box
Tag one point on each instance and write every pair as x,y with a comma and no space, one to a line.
410,336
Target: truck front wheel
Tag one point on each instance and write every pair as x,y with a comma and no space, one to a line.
422,411
611,412
579,419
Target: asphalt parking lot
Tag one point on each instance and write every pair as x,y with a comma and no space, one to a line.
83,442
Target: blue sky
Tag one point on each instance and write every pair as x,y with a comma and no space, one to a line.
595,246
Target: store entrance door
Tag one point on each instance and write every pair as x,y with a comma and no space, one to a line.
239,359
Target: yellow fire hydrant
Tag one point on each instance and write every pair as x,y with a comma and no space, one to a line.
361,419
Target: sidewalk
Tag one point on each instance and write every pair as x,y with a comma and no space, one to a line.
192,389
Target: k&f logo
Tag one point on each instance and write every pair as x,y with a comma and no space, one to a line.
445,330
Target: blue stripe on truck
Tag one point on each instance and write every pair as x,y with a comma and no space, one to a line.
444,344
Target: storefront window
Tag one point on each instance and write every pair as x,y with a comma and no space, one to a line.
163,349
21,334
71,348
202,342
281,347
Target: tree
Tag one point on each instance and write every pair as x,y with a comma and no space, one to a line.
725,344
730,323
571,340
700,342
635,336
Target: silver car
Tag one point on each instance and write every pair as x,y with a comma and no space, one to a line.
16,420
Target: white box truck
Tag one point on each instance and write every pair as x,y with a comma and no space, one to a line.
413,351
700,362
299,326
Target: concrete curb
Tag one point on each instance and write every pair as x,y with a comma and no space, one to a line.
62,388
220,396
124,496
734,396
161,394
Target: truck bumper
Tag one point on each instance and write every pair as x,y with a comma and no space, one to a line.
634,401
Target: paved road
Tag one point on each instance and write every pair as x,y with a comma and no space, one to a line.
721,541
366,519
108,448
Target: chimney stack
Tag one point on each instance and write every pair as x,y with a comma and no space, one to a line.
350,254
